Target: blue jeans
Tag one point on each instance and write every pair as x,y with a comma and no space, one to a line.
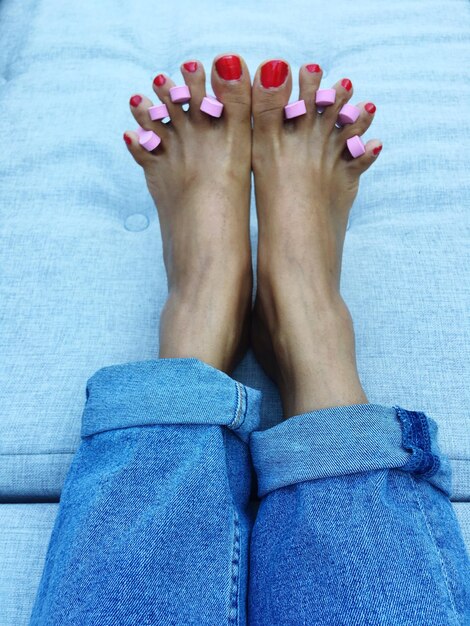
158,522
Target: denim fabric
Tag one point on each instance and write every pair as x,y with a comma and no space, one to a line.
167,391
354,525
349,439
154,518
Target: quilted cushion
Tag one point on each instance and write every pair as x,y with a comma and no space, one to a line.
82,275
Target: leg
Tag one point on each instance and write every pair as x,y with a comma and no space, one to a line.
154,520
200,179
355,525
153,524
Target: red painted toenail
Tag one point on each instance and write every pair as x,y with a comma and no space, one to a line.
274,73
190,66
370,108
347,84
127,139
229,67
377,150
313,68
159,80
135,101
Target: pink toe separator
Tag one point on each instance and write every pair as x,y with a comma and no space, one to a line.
295,109
212,106
158,112
149,140
180,95
325,97
355,146
348,114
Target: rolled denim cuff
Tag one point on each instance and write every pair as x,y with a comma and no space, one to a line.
346,440
168,391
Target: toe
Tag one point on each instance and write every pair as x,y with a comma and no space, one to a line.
195,78
139,106
230,79
161,86
272,86
359,127
362,163
309,82
142,156
344,91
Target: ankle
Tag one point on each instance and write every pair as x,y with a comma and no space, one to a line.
323,388
317,362
208,323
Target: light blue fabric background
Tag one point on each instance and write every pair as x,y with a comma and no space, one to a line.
82,280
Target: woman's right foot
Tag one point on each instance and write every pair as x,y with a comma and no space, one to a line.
305,183
200,177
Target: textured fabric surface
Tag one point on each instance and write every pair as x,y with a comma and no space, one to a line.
155,524
114,392
82,277
346,440
25,531
155,513
82,280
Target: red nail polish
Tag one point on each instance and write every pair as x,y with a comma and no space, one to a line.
135,101
127,139
370,108
159,80
313,68
274,73
347,84
190,66
377,150
229,67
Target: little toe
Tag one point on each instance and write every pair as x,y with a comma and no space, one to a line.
310,76
142,156
362,123
272,86
230,79
195,78
344,91
161,86
139,106
363,162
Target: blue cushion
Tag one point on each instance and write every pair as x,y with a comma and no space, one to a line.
25,530
83,280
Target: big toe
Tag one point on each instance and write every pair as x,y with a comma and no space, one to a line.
272,87
230,79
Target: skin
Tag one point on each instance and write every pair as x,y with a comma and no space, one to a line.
305,183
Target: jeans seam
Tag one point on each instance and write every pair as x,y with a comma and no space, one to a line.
414,484
241,406
235,574
418,442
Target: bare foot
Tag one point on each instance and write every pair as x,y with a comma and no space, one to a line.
199,177
305,182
